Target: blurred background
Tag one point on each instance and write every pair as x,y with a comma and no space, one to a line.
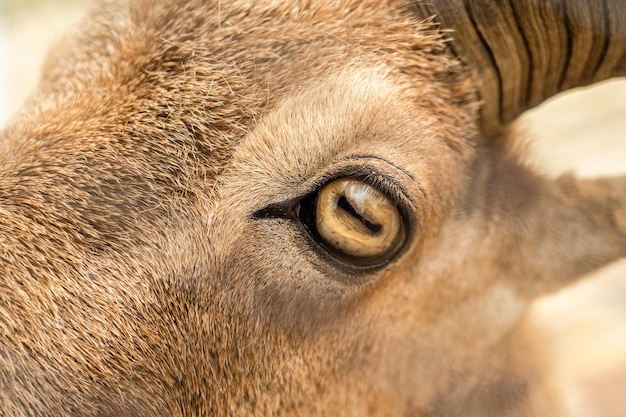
582,131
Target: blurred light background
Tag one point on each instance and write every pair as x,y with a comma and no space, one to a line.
584,131
27,30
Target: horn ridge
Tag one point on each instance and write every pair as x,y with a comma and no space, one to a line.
523,52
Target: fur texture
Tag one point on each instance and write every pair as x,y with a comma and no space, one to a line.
136,279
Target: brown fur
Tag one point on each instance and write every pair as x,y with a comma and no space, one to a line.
136,280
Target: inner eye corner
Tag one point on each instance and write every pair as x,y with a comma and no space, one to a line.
281,210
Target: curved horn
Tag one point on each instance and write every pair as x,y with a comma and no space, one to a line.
522,52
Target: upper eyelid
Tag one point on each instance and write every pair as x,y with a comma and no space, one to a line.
375,176
345,167
376,158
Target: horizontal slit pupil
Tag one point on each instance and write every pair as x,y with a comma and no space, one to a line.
345,205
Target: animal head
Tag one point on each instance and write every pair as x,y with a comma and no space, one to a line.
295,208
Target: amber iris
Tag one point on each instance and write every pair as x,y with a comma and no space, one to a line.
358,220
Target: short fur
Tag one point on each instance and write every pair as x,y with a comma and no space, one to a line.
136,279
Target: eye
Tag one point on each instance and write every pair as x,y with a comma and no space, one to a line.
355,222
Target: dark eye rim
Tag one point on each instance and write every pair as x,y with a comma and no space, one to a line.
305,211
374,171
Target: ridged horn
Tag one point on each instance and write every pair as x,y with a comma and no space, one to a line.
523,52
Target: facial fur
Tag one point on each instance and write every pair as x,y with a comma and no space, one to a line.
137,279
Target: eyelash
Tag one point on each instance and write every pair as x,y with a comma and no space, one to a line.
395,192
376,179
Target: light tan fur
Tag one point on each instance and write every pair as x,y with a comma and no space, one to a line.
137,280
